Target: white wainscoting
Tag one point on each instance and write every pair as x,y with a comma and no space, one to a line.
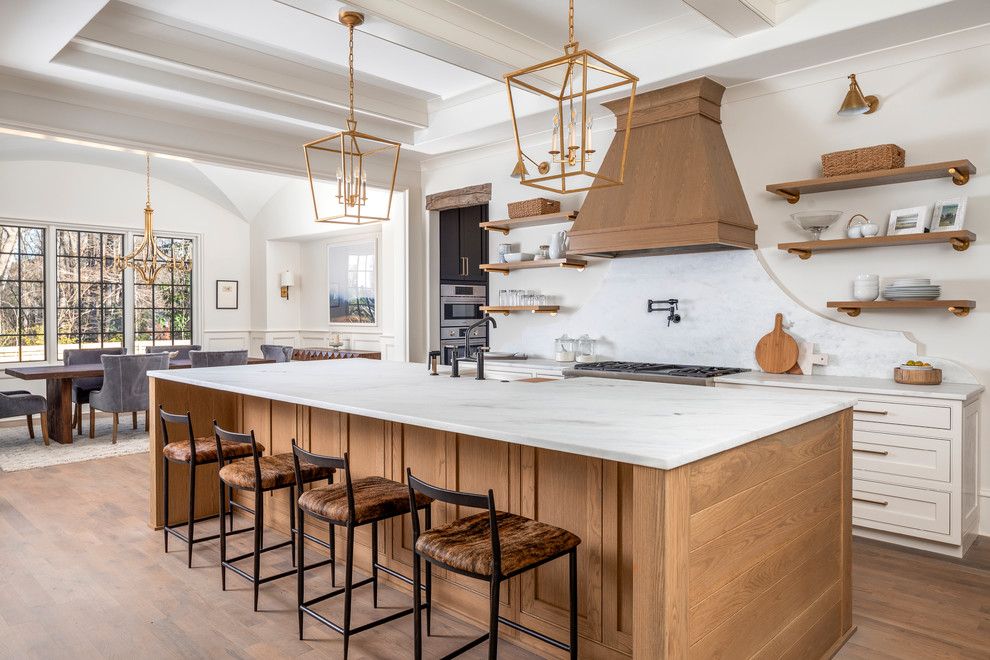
985,512
230,340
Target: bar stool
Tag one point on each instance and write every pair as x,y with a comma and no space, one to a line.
192,452
356,502
491,546
259,474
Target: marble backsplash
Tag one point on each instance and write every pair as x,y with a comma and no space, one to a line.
728,302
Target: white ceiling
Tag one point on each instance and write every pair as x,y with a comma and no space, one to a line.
247,82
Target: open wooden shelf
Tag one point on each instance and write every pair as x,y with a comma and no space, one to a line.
577,264
505,226
959,240
958,170
536,309
854,307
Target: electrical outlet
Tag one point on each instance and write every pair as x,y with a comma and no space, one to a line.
820,359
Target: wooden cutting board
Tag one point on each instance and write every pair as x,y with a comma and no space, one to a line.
777,351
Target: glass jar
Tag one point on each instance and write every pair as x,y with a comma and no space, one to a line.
502,249
563,348
584,350
542,253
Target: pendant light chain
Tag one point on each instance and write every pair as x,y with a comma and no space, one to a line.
350,66
148,156
570,23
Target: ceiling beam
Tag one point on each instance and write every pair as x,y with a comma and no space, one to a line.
738,17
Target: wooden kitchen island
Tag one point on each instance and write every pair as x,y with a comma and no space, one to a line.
714,523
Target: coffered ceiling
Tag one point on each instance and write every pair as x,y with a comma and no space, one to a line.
247,82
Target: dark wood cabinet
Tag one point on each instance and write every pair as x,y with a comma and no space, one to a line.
463,244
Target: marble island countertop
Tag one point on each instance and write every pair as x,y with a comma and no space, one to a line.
957,391
651,424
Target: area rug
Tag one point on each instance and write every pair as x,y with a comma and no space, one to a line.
18,451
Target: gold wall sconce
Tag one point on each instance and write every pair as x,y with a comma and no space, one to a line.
856,103
286,280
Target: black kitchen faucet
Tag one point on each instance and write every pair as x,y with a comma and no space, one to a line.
479,357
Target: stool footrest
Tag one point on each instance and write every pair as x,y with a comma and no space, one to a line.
328,596
533,633
367,626
251,554
180,535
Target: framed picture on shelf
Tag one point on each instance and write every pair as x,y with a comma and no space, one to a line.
908,221
226,294
949,214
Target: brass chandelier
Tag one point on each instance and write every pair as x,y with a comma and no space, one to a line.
349,152
147,259
569,80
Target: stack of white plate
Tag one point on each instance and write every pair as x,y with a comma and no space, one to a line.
912,288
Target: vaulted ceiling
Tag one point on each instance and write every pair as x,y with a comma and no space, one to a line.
247,82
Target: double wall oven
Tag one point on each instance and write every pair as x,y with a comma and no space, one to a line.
460,307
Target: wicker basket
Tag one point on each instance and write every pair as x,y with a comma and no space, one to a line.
529,207
867,159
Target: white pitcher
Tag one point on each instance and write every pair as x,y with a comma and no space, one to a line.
558,245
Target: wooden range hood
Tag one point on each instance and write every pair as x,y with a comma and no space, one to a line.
681,192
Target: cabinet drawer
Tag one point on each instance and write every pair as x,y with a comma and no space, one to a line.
885,506
902,455
885,412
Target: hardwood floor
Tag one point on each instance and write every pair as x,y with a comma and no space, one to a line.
82,576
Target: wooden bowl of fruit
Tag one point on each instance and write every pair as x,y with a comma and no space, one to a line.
917,372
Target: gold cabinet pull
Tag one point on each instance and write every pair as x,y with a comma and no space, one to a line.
870,412
868,501
871,451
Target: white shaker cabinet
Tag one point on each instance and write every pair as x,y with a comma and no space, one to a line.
915,458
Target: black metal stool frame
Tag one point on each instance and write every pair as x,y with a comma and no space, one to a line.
475,501
169,418
258,514
305,606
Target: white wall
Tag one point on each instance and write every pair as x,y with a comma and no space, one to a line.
933,96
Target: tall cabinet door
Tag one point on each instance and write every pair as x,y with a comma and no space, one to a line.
474,242
451,264
463,244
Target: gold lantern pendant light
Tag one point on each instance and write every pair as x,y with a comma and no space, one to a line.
350,153
147,259
570,80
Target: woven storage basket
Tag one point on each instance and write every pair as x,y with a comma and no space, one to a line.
529,207
867,159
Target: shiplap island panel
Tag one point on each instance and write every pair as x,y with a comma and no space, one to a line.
711,520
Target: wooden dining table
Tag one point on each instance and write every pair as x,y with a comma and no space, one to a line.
58,386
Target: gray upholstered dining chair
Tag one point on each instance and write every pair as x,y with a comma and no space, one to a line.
125,386
217,358
276,352
14,403
81,387
182,350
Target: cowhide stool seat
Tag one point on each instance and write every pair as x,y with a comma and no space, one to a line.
491,546
193,453
355,502
259,474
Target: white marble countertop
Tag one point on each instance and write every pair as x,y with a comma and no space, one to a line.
652,424
957,391
532,364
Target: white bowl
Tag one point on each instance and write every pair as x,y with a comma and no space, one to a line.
866,295
513,257
867,278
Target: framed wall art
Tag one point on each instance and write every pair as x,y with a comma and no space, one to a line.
226,294
352,271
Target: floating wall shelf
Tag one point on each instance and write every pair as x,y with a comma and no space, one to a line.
577,264
854,307
959,240
537,309
505,226
958,170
